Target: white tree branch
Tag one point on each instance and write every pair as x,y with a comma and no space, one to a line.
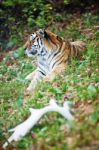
22,129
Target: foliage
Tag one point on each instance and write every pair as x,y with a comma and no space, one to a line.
14,14
17,16
79,83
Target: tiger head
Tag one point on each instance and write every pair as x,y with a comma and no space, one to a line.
40,42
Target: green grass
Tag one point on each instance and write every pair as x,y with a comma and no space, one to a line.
80,83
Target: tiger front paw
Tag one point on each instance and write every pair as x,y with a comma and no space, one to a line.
28,78
48,79
29,91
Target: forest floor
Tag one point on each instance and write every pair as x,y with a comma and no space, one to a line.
79,83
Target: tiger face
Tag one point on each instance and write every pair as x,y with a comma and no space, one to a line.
35,44
41,42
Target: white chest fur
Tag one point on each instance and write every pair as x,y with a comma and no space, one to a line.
47,61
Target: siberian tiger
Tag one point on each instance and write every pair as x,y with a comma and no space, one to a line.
53,54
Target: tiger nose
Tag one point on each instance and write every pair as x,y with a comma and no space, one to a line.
42,51
33,52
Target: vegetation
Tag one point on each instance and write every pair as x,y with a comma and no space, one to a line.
79,83
20,17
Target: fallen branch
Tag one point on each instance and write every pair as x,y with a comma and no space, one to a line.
22,129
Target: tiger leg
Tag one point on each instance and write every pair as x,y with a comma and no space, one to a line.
57,70
31,88
31,76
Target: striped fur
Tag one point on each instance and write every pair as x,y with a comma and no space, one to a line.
53,54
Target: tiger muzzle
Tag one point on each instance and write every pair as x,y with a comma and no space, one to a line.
30,53
33,52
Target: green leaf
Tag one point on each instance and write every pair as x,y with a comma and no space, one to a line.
15,55
20,101
95,117
92,91
18,53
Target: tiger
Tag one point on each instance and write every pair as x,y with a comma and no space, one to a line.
53,54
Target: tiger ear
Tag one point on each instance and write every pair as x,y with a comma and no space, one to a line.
43,33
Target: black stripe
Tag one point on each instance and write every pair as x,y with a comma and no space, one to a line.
75,50
56,53
41,41
58,63
42,70
42,73
58,60
38,42
72,52
33,38
53,56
